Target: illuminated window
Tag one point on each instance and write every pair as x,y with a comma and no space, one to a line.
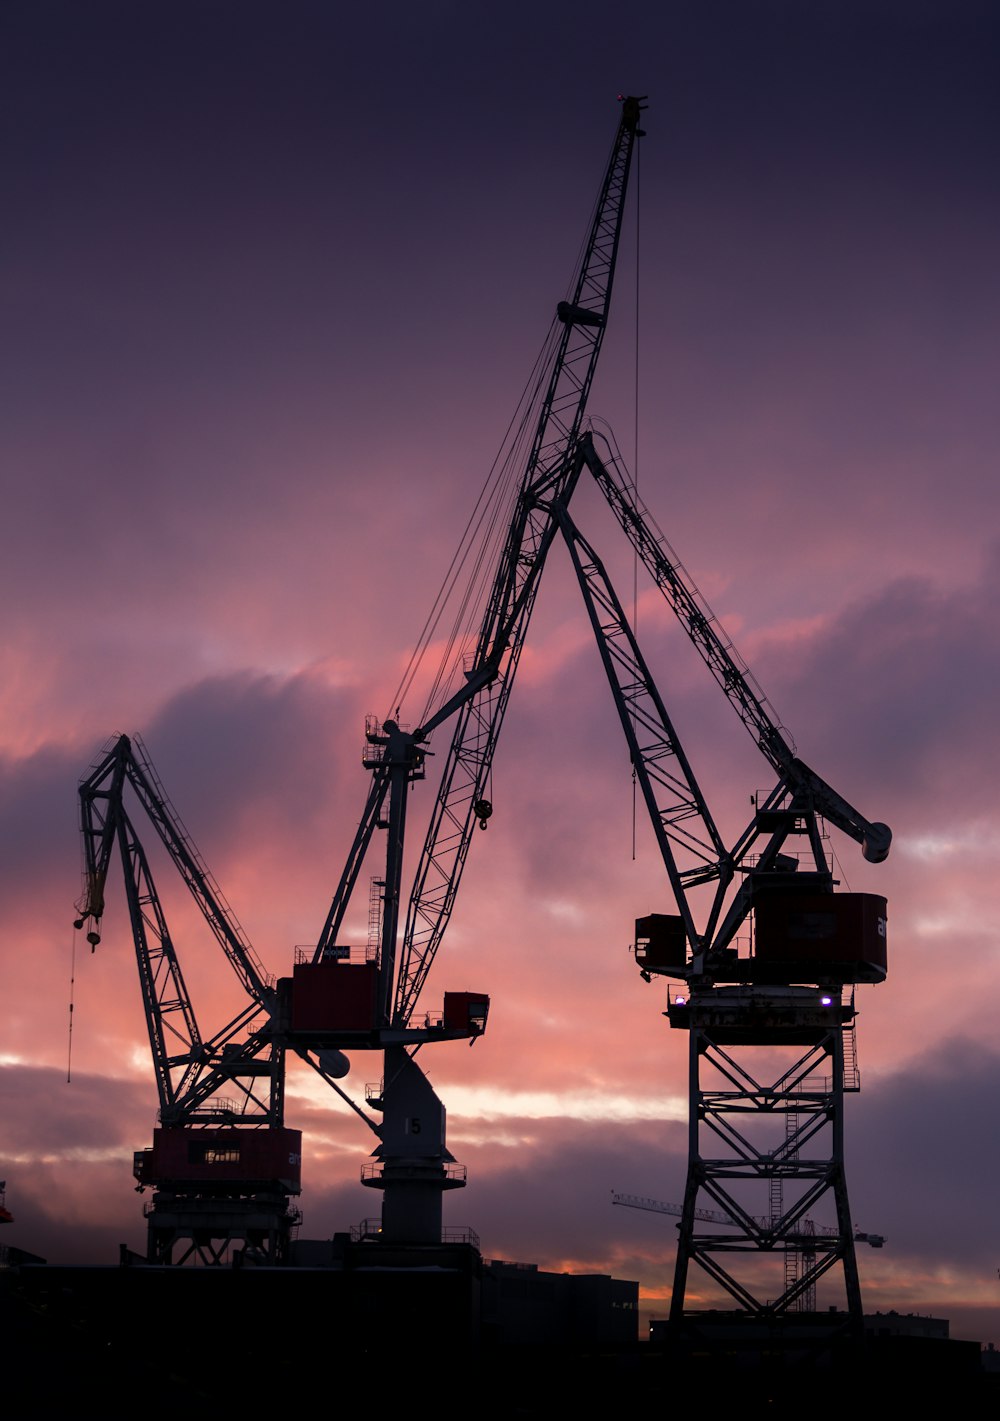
214,1153
222,1154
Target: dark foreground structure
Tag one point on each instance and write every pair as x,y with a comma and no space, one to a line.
505,1339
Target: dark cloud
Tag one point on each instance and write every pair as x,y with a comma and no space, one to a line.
66,1153
258,759
554,1202
900,687
37,821
44,1114
249,760
923,1151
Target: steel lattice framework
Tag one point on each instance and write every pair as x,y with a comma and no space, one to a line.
729,1154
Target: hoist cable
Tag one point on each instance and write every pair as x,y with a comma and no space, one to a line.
486,527
488,542
635,465
465,545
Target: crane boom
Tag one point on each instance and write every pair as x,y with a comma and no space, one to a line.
190,1069
101,808
722,659
807,1230
552,470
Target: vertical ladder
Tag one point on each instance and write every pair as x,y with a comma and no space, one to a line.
376,895
852,1072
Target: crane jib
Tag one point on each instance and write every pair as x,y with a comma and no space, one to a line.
553,463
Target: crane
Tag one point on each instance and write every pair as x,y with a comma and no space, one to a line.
222,1166
786,993
808,945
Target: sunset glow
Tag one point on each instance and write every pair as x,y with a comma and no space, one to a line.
265,331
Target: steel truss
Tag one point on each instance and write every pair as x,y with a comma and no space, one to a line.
222,1165
759,1138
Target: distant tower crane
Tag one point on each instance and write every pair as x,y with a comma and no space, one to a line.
799,1245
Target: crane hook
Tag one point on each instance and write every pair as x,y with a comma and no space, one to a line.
482,809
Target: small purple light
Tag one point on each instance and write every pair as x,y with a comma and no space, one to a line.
680,1001
826,1001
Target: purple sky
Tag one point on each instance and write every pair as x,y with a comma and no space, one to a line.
272,280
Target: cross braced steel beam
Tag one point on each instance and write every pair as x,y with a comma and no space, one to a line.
808,1155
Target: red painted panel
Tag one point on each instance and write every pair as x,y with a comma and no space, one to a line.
227,1156
334,996
822,929
466,1011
